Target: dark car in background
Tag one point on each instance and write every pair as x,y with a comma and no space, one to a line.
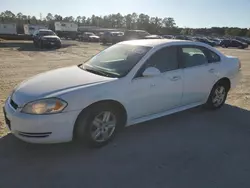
112,37
135,34
244,40
89,37
46,38
139,34
226,43
154,37
181,37
205,40
216,40
168,36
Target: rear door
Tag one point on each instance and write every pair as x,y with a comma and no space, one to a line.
199,73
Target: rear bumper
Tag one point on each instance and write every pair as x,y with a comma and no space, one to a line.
235,79
54,128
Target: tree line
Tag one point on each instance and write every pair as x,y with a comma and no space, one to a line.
154,25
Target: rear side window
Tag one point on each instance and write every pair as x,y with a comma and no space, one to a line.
192,56
212,56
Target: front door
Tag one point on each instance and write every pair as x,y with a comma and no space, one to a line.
152,95
199,73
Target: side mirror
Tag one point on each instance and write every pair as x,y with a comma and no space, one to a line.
151,71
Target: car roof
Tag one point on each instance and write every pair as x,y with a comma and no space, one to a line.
158,42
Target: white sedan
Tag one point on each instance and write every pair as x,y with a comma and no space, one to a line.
127,83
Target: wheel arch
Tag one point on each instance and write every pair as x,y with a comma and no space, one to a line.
113,103
225,81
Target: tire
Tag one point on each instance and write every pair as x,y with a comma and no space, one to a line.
35,44
218,96
89,123
59,46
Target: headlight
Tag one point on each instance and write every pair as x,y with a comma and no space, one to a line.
45,106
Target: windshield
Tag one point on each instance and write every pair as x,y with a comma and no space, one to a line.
46,33
116,61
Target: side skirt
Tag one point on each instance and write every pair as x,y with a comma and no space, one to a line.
154,116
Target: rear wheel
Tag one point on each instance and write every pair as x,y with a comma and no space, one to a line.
98,125
217,96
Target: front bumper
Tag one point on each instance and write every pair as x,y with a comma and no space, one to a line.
51,43
54,128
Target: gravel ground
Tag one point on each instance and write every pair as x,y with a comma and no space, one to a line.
195,148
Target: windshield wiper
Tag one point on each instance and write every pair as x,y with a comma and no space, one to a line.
98,72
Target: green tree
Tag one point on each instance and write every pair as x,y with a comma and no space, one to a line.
168,22
49,17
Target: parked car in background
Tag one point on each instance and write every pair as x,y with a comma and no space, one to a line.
168,36
153,37
181,37
128,83
233,43
46,38
135,34
244,40
205,40
216,40
112,37
89,37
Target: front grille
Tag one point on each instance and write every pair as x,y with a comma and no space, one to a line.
52,40
13,104
34,135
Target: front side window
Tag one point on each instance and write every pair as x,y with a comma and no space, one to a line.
192,56
116,61
164,59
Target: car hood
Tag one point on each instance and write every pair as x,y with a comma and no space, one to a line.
94,37
54,83
51,37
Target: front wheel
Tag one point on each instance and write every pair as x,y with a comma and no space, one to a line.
98,125
217,96
59,45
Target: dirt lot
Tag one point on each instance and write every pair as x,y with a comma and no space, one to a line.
195,148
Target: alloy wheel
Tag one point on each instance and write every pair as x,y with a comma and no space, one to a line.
219,96
103,126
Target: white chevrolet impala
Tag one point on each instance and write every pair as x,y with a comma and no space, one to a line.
127,83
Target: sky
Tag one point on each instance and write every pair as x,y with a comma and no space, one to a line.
187,13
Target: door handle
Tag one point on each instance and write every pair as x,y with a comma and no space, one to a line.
152,85
175,78
211,70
